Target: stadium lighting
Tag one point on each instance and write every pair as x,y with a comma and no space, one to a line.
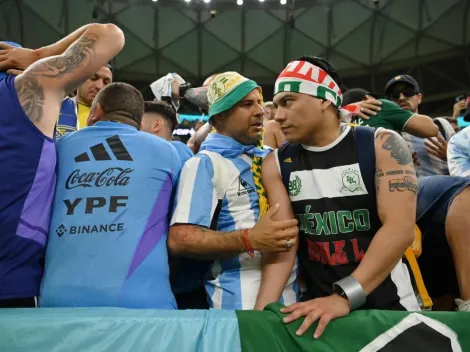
240,2
187,0
283,2
207,1
261,0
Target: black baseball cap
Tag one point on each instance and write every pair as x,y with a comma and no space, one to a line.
355,95
402,79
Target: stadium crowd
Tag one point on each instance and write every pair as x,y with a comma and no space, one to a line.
326,199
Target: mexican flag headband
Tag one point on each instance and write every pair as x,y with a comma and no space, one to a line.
306,78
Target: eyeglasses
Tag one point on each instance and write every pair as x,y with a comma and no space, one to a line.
408,92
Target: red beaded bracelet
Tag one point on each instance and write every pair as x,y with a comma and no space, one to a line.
246,244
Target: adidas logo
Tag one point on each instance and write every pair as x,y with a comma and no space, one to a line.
288,160
100,153
244,188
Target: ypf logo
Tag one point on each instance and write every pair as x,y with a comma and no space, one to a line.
61,230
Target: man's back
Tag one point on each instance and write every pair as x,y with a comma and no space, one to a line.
27,181
110,220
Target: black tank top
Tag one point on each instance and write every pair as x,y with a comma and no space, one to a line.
337,217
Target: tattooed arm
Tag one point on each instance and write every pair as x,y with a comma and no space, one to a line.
45,83
397,188
268,235
201,243
198,97
20,58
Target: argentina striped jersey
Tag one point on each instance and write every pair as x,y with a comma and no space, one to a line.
232,283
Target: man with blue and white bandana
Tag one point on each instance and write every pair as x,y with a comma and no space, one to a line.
221,208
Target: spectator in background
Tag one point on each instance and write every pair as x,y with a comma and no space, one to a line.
404,90
389,115
458,152
459,109
30,105
111,211
454,123
160,120
74,111
273,136
269,111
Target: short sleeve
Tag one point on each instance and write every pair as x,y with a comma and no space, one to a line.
458,155
196,199
395,115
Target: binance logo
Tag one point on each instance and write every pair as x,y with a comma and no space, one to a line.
61,230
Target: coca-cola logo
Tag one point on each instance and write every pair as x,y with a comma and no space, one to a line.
113,176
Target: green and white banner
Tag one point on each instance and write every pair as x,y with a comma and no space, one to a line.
118,329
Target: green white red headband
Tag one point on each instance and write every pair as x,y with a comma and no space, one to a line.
306,78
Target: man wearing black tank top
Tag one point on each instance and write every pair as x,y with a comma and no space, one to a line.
352,235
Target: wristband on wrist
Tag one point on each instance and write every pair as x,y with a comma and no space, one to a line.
246,244
351,289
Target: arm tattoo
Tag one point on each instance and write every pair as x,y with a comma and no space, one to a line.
31,96
399,150
73,57
407,183
198,97
30,92
404,184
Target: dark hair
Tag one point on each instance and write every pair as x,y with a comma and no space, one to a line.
121,101
164,109
325,66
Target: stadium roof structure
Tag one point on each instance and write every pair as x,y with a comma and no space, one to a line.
367,41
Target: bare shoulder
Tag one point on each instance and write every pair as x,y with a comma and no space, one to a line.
272,126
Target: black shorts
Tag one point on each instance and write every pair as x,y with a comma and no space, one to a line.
30,302
435,195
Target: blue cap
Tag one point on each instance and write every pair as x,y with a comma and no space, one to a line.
3,74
